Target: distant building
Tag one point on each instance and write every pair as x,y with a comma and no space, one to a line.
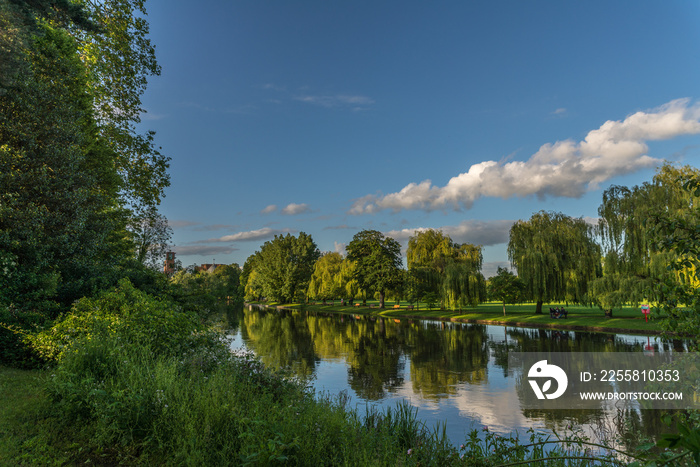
169,266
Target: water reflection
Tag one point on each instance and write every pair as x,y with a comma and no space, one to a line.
454,373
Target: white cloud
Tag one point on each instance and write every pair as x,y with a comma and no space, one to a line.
269,209
562,169
252,235
294,209
339,247
485,233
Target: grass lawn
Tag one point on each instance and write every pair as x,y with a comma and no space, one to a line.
579,317
22,398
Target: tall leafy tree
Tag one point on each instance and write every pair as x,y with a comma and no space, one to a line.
678,232
66,181
120,58
325,281
439,266
555,256
377,262
633,262
284,266
505,287
151,235
60,219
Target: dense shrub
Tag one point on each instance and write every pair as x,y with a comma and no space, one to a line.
15,326
125,313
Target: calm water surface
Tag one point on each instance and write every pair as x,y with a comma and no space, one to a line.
455,374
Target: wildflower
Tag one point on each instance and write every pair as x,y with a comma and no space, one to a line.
485,428
410,451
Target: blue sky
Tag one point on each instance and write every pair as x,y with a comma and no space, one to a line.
334,117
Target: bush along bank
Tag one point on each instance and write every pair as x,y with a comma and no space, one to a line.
140,382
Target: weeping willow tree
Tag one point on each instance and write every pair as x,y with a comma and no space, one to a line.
324,284
634,264
555,256
440,266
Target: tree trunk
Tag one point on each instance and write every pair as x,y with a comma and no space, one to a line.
381,299
538,310
504,308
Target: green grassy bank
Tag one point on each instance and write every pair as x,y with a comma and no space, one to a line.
582,318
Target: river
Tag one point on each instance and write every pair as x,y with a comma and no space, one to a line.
454,374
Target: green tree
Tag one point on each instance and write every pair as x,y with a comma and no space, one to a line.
377,262
677,232
65,181
440,267
347,282
325,283
505,287
120,58
60,221
151,235
633,261
284,266
555,256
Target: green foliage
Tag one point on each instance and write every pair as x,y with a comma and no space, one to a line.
575,449
555,256
283,267
69,162
207,292
132,316
506,287
377,262
57,214
120,58
675,233
214,408
635,256
151,233
327,281
687,440
438,266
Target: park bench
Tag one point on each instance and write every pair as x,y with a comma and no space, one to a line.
396,307
409,307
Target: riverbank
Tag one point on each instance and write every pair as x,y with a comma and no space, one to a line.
580,318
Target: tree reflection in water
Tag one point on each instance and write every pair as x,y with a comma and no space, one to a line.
446,363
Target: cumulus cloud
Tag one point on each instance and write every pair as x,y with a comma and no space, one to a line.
561,169
203,250
269,209
485,233
265,233
294,209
